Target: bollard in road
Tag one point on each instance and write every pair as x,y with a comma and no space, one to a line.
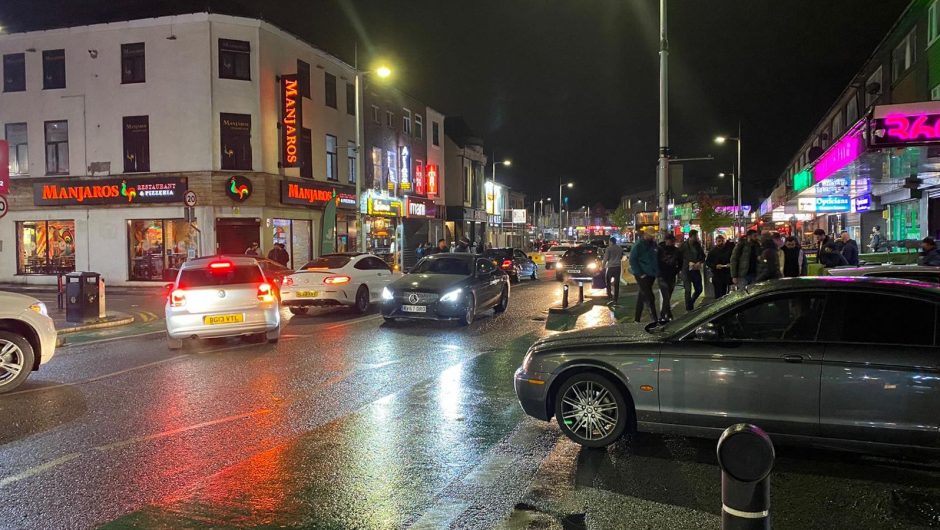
746,457
60,295
580,292
564,296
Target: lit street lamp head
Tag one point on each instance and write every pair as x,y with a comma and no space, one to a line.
571,184
507,163
720,139
383,71
721,175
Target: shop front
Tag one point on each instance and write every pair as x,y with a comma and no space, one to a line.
420,216
468,223
297,233
382,225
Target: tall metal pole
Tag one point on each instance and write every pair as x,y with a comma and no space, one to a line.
663,118
493,213
560,201
360,174
740,203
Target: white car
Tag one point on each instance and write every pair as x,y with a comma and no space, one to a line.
27,338
346,279
553,254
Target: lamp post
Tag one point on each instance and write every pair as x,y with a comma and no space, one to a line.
723,175
737,139
561,203
506,163
383,72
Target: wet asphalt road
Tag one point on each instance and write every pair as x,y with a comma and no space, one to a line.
352,423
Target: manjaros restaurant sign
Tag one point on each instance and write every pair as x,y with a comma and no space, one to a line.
317,195
115,191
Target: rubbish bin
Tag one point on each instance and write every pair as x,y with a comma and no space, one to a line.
81,296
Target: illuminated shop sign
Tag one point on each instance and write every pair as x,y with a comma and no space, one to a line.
806,204
734,210
392,165
405,176
841,154
146,190
317,195
291,121
898,130
385,206
783,217
238,188
422,208
833,186
802,180
432,173
834,203
420,188
861,204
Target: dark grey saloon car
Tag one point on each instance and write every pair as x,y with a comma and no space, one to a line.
839,360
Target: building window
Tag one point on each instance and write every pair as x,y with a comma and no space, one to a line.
45,247
377,168
851,110
306,153
389,119
467,185
53,69
235,137
133,65
903,56
234,59
157,248
329,85
14,72
350,99
351,160
932,26
136,144
15,134
406,121
934,94
331,168
435,133
419,126
57,147
375,114
303,78
872,94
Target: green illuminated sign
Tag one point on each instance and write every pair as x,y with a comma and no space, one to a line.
802,180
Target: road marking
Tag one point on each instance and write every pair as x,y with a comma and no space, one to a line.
38,469
352,322
111,339
164,434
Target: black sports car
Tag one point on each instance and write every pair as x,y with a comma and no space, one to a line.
447,287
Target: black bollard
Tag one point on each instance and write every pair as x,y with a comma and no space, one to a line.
746,457
564,296
580,292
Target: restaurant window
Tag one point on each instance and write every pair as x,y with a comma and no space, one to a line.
903,56
53,69
419,126
406,121
306,153
435,133
235,136
45,247
351,160
158,247
329,85
303,78
375,114
377,168
872,95
331,168
15,134
14,72
350,99
133,65
136,144
234,59
57,147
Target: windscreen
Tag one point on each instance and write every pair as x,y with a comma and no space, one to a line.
558,249
500,253
209,277
580,252
443,266
329,261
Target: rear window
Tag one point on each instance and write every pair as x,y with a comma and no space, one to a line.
443,266
328,262
498,253
558,249
581,251
213,277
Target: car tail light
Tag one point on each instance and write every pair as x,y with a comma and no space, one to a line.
220,265
265,294
177,298
288,281
507,263
336,280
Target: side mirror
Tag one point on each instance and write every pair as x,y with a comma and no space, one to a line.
706,332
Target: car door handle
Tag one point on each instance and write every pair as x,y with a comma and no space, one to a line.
793,358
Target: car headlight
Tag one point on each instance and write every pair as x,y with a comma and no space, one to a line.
387,294
527,361
591,266
559,265
40,308
452,296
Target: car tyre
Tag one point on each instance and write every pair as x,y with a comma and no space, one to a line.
503,301
273,336
299,310
390,320
362,299
470,313
559,277
173,344
591,410
15,352
535,273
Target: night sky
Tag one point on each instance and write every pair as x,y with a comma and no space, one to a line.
569,89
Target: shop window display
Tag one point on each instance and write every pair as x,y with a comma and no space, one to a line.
45,247
158,247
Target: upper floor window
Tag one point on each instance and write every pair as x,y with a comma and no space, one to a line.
935,93
351,160
375,114
53,69
932,24
350,99
57,147
389,119
136,144
303,78
419,126
406,121
133,66
330,89
235,139
851,110
332,170
435,133
15,134
873,87
234,59
14,72
903,56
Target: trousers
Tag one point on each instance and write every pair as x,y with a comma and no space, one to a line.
645,296
692,281
613,273
666,287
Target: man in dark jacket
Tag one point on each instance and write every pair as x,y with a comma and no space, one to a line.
849,249
693,259
768,265
744,260
821,241
719,262
669,260
794,260
930,255
278,254
830,256
644,266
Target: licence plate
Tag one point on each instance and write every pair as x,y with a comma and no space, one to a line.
223,319
574,271
308,294
414,308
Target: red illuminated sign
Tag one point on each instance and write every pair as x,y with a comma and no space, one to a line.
900,130
432,178
291,120
419,180
109,191
4,168
310,194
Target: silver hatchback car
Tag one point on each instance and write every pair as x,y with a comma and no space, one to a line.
221,297
847,361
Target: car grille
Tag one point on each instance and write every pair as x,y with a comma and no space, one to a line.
419,298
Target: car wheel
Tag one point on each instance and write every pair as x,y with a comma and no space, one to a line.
535,273
299,310
273,336
559,277
467,318
390,320
591,410
503,301
16,360
173,344
362,299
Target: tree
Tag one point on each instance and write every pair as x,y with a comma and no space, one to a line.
620,218
710,219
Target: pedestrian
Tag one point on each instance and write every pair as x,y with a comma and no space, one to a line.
744,260
693,260
779,239
718,261
794,260
644,267
463,245
252,249
849,249
768,263
669,261
876,241
829,256
479,247
821,240
420,251
442,246
930,255
613,255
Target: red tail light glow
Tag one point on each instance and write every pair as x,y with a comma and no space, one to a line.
507,263
220,265
336,280
177,298
265,294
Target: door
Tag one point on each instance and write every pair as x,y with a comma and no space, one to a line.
235,235
881,370
375,274
522,261
761,366
489,283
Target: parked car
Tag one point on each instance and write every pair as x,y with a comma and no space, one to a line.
513,262
905,272
553,254
273,271
447,287
27,338
224,296
580,264
349,279
844,360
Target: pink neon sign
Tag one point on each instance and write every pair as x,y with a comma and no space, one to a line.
838,156
901,129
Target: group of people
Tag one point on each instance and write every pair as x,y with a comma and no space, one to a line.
277,254
661,265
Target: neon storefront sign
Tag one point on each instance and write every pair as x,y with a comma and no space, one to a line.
861,204
834,203
841,154
905,129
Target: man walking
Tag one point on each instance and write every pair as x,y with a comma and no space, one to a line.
821,241
769,264
644,267
849,249
744,260
670,263
930,255
719,262
693,258
612,256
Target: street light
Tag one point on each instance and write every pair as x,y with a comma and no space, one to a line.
561,203
506,163
723,175
720,140
383,72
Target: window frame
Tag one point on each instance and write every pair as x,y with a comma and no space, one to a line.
935,92
46,143
376,114
751,304
250,151
303,78
350,99
47,260
909,45
871,99
389,119
406,121
14,148
332,171
329,90
47,62
133,58
419,126
933,28
306,153
351,161
235,55
9,89
141,167
436,134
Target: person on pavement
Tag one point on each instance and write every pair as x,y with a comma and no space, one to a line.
744,260
876,241
849,249
829,255
669,261
613,254
821,240
644,266
463,245
278,254
441,247
718,261
930,255
794,260
768,263
693,260
252,249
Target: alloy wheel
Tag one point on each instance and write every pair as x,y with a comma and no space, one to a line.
11,361
589,410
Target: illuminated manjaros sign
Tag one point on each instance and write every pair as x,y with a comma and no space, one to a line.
290,121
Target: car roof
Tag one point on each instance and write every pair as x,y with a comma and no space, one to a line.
345,254
847,283
868,269
204,261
